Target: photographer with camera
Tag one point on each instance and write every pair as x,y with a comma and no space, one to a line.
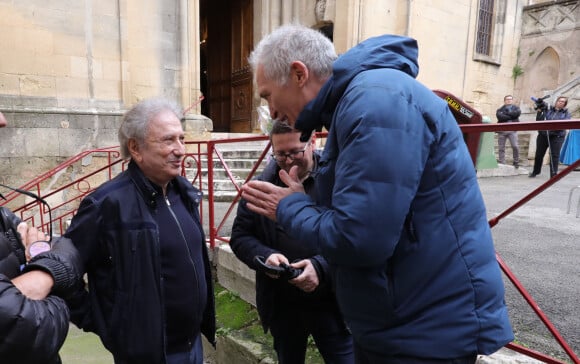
549,139
291,308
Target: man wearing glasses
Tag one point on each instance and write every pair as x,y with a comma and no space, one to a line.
508,113
292,309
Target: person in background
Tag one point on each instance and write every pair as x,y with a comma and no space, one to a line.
398,213
34,318
508,113
291,309
550,139
150,290
571,148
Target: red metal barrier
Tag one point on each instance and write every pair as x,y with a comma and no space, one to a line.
69,194
537,125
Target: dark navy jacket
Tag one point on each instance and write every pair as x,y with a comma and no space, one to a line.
117,237
553,114
399,213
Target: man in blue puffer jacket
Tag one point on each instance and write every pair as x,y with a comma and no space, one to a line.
398,213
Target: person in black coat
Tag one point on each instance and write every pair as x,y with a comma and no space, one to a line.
550,139
150,288
34,319
306,305
508,113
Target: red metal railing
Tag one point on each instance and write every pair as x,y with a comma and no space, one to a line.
543,125
70,193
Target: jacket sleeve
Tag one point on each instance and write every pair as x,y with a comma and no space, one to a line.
501,114
322,270
385,140
514,112
63,263
507,113
11,244
84,234
244,241
32,331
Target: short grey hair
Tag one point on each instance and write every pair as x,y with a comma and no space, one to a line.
289,43
136,121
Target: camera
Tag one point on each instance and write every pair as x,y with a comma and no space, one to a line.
540,103
283,271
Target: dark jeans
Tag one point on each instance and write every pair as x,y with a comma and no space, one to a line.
369,358
195,356
291,327
543,142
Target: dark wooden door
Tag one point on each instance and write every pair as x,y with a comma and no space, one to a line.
226,28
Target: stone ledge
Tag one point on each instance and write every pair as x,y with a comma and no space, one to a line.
232,346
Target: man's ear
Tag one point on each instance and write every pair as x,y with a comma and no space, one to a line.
134,149
299,73
313,138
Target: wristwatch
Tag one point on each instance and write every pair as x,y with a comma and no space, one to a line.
37,247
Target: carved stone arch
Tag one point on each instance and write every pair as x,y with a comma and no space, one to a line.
545,71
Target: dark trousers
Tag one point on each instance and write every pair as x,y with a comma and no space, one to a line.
191,356
513,138
369,358
290,326
194,356
543,142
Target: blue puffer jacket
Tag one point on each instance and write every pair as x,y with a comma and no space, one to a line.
403,222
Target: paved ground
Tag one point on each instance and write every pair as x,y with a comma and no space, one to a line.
539,243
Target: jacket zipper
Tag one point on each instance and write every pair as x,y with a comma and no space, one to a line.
184,242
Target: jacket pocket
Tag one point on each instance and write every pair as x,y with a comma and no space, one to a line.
366,298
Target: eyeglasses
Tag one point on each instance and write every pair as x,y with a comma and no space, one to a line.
297,154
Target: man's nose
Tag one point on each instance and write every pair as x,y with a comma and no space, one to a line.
288,161
273,113
179,148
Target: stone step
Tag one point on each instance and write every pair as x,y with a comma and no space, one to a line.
236,162
239,168
240,159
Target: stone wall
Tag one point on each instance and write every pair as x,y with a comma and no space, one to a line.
36,141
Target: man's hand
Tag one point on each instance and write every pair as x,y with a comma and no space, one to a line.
263,197
308,280
29,235
276,259
35,285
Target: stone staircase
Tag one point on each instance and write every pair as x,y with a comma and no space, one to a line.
240,159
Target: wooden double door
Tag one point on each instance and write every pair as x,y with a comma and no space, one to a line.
226,33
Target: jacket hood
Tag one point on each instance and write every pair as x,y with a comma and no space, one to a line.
385,51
